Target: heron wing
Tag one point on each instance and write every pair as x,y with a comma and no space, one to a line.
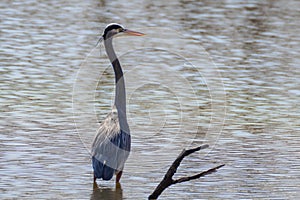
123,141
110,148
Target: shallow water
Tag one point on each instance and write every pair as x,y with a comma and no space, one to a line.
224,73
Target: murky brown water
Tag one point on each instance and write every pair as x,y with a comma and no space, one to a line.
56,87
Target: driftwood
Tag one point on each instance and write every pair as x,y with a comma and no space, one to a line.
168,178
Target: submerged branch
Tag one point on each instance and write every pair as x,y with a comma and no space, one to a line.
168,178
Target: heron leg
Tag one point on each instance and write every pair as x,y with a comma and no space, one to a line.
95,185
94,178
118,176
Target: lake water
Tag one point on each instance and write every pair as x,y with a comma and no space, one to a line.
225,74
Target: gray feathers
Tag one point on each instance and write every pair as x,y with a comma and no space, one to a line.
111,145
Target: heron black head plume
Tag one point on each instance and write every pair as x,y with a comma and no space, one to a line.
99,41
114,27
108,28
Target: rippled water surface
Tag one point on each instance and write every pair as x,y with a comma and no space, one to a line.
226,74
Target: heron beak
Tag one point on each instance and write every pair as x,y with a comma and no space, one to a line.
133,33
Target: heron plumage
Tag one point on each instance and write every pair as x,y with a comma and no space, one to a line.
110,148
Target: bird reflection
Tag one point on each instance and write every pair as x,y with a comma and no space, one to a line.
106,193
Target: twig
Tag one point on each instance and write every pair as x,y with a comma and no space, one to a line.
210,171
168,178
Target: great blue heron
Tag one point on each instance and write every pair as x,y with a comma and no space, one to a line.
111,145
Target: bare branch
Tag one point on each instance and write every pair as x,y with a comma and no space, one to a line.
188,178
168,178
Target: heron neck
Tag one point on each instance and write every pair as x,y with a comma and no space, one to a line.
120,93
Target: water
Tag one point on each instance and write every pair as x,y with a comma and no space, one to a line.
176,97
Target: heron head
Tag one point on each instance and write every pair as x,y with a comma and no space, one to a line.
114,29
